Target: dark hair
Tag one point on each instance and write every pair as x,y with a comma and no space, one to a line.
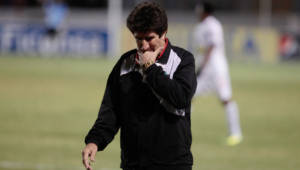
148,16
208,7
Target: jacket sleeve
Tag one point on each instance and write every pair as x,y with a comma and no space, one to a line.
179,90
106,125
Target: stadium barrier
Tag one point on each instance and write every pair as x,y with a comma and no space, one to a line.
242,43
33,38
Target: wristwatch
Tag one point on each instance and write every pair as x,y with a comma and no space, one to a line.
148,64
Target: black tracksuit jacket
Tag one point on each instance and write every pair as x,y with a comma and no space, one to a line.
151,109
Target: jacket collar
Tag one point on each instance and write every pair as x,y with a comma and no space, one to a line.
164,55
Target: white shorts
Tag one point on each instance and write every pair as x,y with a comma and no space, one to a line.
216,81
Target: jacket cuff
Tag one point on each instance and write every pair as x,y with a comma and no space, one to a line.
98,142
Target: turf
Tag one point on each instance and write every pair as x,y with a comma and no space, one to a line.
48,105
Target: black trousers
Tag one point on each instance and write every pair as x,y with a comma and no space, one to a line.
160,168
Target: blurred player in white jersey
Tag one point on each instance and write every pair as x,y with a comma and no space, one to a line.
212,71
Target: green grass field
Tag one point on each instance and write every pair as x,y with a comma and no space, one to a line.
48,105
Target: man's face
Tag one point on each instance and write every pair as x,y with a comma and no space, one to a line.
149,41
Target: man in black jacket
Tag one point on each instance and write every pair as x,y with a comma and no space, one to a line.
148,97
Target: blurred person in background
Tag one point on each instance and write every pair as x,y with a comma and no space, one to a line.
55,14
148,97
212,71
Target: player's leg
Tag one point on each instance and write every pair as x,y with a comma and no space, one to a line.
233,120
231,110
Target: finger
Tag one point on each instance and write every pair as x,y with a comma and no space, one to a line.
85,160
138,61
93,154
158,50
140,53
86,164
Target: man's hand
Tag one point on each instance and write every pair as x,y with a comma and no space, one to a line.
148,56
89,151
